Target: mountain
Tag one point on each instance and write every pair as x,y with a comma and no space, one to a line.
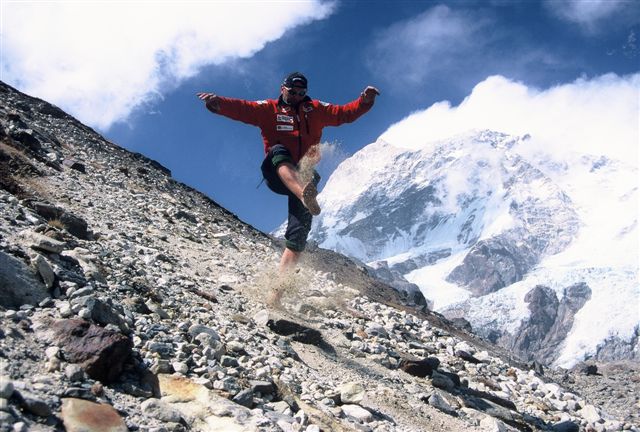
538,252
130,301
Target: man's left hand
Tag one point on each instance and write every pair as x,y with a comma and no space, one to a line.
369,94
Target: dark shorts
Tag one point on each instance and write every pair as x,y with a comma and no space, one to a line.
299,220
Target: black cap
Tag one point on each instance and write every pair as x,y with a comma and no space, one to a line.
295,79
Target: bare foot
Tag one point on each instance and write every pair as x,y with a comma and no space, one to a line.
309,194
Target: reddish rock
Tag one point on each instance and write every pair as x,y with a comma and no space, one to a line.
102,353
81,415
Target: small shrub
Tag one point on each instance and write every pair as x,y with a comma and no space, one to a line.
56,223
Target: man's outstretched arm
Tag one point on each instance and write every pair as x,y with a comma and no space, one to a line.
335,115
369,94
236,109
212,101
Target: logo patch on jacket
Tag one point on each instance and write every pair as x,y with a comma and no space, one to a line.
284,127
307,108
284,118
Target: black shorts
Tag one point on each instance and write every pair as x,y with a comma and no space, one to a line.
299,219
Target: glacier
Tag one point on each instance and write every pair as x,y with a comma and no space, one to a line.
479,219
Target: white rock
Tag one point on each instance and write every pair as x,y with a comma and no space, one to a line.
180,367
20,427
558,404
590,414
160,410
552,388
491,424
6,387
437,400
52,352
464,346
351,393
357,412
44,270
42,242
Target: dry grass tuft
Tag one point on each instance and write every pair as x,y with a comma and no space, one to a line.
56,223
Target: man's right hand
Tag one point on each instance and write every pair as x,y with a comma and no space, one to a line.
211,100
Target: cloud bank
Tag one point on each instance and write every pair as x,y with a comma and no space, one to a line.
589,14
412,50
101,60
598,116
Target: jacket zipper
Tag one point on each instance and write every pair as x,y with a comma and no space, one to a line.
299,137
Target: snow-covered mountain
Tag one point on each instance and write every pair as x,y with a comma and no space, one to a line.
537,252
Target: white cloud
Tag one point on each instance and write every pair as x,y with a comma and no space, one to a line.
100,60
599,116
412,50
589,14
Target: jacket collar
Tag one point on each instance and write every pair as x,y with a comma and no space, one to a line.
282,103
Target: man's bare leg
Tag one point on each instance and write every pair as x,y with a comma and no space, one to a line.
287,265
289,176
305,193
289,260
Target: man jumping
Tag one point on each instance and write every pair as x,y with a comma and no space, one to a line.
291,129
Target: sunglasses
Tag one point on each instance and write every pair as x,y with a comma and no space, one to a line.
292,92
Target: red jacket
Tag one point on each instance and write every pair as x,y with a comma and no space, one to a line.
297,130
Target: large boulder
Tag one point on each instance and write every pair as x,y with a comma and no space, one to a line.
75,225
102,353
19,284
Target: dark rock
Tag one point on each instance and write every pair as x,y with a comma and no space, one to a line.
586,369
20,284
27,138
297,332
493,264
512,418
565,426
421,367
79,392
549,322
75,165
462,324
75,225
155,164
102,353
543,305
262,387
228,361
505,403
410,292
181,214
537,367
244,398
440,401
467,357
100,311
52,110
442,381
452,376
161,366
33,404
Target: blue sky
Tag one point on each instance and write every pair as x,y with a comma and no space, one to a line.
132,69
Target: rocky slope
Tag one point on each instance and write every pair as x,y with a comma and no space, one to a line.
130,301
